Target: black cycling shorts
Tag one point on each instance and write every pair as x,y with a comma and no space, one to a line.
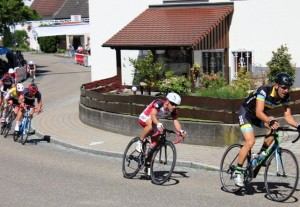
246,120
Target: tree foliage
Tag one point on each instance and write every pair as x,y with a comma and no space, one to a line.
146,70
14,11
280,62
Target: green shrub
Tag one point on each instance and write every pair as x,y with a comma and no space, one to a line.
214,80
48,44
243,81
177,84
61,51
228,92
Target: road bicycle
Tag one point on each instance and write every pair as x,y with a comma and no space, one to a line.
162,158
7,124
281,172
25,127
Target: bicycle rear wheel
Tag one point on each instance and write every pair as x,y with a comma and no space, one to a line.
3,126
163,163
8,126
131,159
281,175
227,168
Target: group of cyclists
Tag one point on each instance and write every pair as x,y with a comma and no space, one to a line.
254,111
13,93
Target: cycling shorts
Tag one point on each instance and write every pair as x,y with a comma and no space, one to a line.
154,131
247,120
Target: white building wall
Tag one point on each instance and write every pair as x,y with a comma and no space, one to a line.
106,19
262,26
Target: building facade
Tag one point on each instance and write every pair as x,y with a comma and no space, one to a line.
256,29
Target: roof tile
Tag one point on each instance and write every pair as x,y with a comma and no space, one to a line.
165,26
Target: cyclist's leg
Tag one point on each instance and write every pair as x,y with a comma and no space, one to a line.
33,74
268,140
147,128
245,122
5,109
248,144
19,118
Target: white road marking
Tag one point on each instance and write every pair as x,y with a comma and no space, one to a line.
96,143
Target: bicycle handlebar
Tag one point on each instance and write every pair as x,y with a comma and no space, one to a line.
34,107
285,129
179,135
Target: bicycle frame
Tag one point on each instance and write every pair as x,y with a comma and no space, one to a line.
155,161
281,171
162,142
26,119
275,148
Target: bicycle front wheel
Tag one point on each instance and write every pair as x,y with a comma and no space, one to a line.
163,163
131,159
26,133
228,166
281,175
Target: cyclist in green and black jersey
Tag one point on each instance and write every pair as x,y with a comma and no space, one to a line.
254,112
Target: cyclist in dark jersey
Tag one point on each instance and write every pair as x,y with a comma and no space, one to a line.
253,111
27,99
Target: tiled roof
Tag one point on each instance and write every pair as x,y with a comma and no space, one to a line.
73,7
47,8
61,9
163,26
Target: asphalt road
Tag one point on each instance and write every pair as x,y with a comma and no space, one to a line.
51,175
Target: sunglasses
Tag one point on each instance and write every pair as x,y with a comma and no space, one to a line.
285,87
173,104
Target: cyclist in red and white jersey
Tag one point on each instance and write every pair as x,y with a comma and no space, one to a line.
158,109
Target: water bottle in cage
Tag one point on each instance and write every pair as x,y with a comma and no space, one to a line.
261,156
254,160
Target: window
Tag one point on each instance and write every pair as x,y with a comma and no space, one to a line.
242,59
213,62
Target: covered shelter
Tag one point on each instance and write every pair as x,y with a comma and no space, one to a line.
180,35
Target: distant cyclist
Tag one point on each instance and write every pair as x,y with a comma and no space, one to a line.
12,98
254,112
27,99
149,119
31,69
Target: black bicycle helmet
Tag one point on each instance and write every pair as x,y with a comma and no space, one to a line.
284,79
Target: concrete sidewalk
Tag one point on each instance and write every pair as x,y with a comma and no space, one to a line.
65,128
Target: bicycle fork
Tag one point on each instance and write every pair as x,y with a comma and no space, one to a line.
279,161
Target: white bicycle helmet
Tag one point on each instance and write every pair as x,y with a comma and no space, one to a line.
174,98
11,71
20,87
31,62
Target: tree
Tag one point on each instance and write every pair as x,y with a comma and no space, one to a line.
146,70
13,12
280,62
